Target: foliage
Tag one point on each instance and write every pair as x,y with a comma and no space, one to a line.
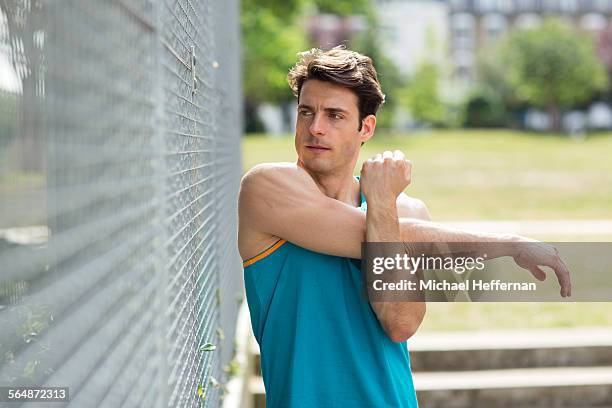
345,7
273,34
422,95
388,74
553,66
484,108
271,40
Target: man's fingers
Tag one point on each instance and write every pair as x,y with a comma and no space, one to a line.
399,155
387,155
563,276
537,272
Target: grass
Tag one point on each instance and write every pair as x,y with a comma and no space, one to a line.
504,316
496,174
483,175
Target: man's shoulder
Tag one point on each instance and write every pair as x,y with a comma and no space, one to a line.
275,166
277,176
267,170
269,193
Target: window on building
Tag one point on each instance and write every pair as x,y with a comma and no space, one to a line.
463,29
603,6
486,5
528,20
463,21
464,62
568,6
459,4
551,5
494,26
464,58
506,6
593,22
463,43
525,5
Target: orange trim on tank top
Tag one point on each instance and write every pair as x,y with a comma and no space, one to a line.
265,253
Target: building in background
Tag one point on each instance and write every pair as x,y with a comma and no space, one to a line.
477,23
452,33
328,30
413,32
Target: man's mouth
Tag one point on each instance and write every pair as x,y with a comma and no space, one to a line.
317,148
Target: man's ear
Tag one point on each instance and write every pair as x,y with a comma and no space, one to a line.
368,125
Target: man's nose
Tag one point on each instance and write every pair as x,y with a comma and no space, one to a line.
317,126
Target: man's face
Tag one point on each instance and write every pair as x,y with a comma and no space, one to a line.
327,135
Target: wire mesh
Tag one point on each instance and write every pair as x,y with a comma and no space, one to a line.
119,167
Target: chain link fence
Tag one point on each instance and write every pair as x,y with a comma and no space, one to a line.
119,170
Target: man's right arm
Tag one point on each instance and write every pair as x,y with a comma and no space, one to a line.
281,199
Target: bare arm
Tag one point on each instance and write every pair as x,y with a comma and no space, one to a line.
383,179
400,320
282,200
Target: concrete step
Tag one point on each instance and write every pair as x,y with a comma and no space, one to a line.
561,368
486,350
510,349
530,387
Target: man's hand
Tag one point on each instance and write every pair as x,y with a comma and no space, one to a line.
384,177
531,255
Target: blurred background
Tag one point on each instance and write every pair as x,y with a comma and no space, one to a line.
504,108
125,126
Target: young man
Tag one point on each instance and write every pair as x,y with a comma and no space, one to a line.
300,232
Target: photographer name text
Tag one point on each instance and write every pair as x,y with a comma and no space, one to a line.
444,285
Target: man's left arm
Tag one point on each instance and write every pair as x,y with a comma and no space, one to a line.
400,320
382,180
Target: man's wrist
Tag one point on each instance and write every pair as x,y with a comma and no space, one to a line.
382,223
381,204
509,245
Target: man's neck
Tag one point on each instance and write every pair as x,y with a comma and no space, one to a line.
340,186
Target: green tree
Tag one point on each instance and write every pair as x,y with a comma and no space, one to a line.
345,7
422,97
388,74
484,108
553,67
492,103
273,33
272,36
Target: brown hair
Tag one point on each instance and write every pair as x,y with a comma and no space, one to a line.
341,67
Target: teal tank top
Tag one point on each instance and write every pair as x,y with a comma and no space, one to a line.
321,343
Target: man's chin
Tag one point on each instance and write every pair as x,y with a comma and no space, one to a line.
316,166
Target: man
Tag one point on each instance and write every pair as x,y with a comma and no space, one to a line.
300,232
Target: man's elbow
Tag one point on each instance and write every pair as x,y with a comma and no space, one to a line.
400,336
401,331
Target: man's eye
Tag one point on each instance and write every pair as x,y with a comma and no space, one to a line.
305,113
335,116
